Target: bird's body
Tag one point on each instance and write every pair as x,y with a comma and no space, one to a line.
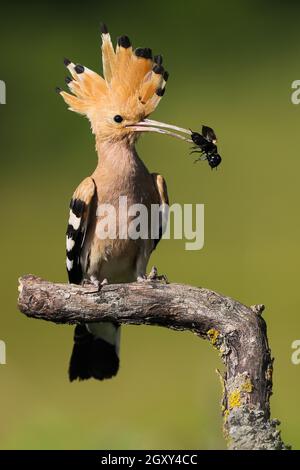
117,106
120,173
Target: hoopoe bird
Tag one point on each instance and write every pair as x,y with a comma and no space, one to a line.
117,106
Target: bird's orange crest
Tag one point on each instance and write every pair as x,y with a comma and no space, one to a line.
132,85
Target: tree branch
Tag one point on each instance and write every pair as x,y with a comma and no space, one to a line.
236,331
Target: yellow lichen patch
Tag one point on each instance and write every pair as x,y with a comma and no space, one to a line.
269,373
225,414
234,400
247,386
213,336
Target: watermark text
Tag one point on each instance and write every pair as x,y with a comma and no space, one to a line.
295,358
155,221
2,352
2,92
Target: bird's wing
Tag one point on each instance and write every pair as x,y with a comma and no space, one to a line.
161,188
77,226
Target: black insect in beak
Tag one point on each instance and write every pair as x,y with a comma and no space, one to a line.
205,144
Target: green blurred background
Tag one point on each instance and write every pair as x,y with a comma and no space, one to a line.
231,67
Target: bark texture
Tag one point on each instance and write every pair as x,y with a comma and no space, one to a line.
236,331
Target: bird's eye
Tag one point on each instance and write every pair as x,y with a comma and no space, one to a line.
118,118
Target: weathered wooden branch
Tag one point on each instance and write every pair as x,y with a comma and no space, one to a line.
236,331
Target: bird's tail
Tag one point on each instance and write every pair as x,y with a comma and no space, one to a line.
95,351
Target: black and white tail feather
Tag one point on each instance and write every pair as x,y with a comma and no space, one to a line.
96,345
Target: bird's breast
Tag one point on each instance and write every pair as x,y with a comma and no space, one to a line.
110,251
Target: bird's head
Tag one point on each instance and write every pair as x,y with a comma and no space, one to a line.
119,103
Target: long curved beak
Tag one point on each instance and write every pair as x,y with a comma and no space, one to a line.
148,125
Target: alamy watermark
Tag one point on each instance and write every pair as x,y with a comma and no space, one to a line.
295,358
2,352
295,96
2,92
152,221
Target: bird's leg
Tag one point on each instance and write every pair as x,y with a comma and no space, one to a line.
93,281
153,276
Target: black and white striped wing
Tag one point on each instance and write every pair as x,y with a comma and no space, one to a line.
77,226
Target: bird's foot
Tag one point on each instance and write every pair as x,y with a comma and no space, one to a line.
96,283
153,276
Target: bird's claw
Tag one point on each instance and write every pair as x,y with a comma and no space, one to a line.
96,283
153,276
